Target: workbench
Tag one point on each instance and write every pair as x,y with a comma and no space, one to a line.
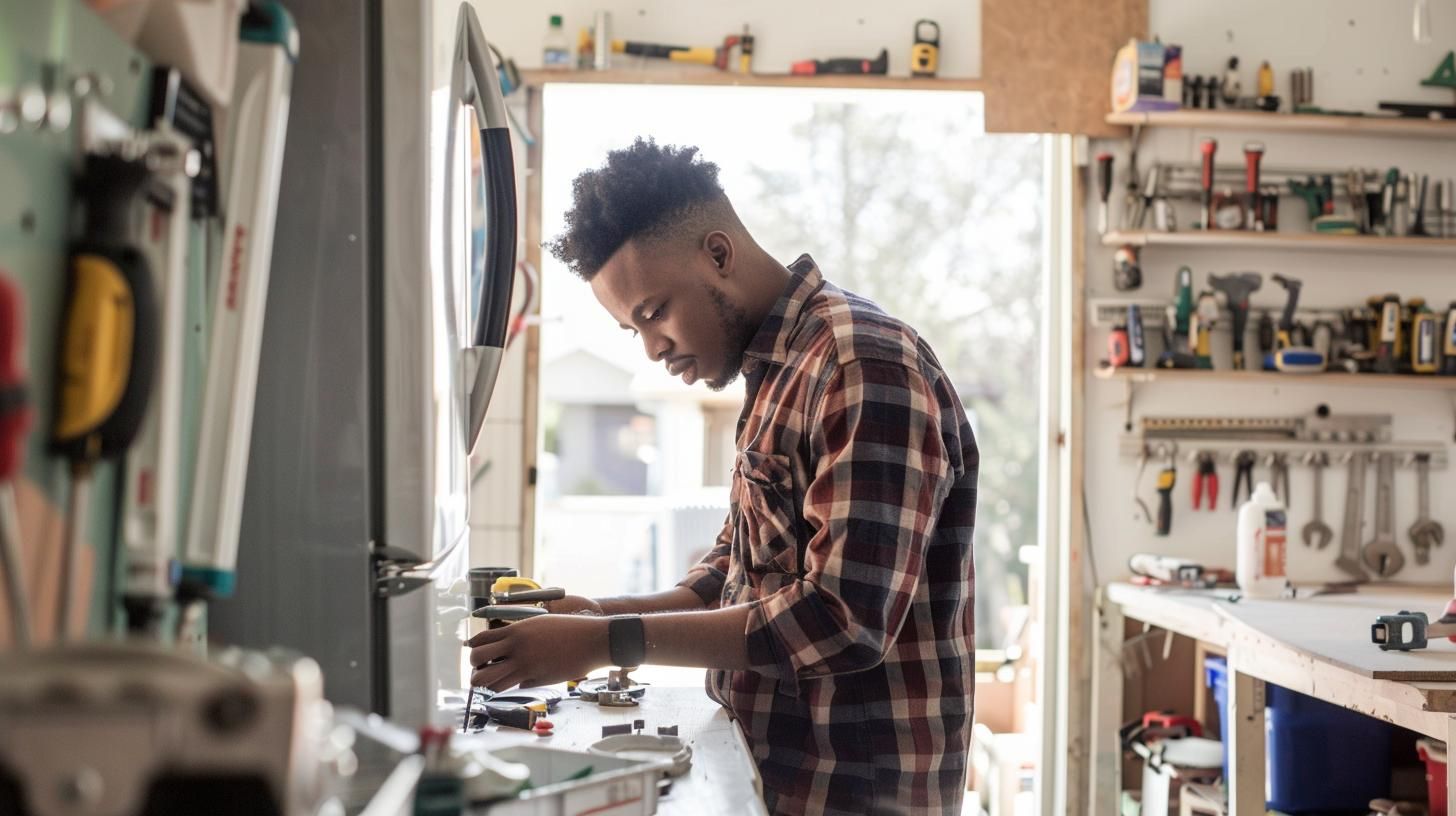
1319,646
723,780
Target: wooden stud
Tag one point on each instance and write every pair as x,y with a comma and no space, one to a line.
1078,582
530,412
1106,716
1450,740
1246,742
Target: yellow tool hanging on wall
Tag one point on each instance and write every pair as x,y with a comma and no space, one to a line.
108,347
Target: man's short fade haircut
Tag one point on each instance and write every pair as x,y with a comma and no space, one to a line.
643,191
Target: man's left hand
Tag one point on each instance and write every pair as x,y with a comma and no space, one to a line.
539,651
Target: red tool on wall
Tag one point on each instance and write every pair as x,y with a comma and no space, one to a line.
1205,482
1208,148
844,65
15,416
1254,214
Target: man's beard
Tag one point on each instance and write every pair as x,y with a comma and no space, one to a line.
737,332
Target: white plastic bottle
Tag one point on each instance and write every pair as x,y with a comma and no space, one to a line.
1261,545
555,50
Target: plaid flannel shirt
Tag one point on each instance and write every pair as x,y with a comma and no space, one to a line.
853,504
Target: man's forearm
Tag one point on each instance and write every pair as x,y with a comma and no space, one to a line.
677,599
713,639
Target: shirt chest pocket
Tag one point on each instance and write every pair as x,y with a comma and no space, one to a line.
766,536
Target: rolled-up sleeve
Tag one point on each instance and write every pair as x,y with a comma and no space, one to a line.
706,577
880,475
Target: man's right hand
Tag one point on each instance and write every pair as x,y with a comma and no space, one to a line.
574,605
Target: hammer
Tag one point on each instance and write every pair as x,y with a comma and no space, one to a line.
1236,288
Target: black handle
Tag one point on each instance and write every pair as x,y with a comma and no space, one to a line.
530,595
500,238
1165,511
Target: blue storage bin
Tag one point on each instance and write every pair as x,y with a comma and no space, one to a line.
1215,676
1323,757
1320,757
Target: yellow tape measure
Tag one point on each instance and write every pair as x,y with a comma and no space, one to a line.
925,53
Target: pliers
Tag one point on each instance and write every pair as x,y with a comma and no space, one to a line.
1243,476
1206,481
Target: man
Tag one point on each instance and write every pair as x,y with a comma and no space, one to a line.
835,609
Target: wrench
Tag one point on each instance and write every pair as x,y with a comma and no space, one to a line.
1425,532
1317,534
1349,558
1382,554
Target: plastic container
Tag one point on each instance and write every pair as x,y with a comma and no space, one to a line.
622,787
1320,757
1433,753
555,49
1261,545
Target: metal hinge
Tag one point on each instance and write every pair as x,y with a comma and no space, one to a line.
397,571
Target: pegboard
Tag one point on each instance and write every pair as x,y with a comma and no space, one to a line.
47,46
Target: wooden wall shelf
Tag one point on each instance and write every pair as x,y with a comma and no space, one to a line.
1312,241
1407,382
1290,123
704,75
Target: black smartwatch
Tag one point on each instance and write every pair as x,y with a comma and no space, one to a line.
626,640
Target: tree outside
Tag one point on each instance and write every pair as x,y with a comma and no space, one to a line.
901,197
940,225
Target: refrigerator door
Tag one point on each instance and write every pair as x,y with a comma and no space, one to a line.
438,361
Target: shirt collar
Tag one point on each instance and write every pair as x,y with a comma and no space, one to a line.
771,342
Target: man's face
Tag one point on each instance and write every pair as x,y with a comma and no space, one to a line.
682,301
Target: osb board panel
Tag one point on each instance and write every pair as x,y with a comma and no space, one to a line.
1046,63
1336,629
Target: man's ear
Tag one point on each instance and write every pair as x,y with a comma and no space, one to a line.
720,248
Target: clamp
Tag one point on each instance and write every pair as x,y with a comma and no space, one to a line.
1390,632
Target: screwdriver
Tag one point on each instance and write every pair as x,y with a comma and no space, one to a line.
1167,478
1253,215
108,346
1104,189
1208,147
1136,345
15,415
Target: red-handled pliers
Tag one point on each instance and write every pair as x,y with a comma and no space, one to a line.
1205,483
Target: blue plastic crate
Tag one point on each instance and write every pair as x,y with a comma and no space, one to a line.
1320,757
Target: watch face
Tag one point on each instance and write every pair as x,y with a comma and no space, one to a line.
626,641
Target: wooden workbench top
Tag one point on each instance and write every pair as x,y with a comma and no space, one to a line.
1319,646
722,781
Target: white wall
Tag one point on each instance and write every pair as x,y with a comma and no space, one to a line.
1361,52
783,32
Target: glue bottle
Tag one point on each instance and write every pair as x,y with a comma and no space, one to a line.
1261,545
